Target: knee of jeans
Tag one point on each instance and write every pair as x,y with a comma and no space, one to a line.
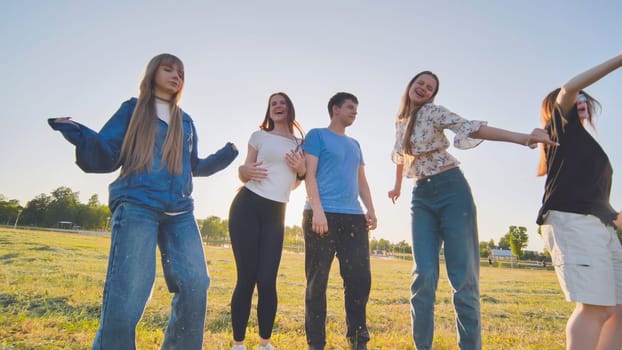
204,283
424,281
199,283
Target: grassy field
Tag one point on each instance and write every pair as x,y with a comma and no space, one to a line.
51,285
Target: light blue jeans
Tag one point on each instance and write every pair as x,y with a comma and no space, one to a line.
443,211
131,274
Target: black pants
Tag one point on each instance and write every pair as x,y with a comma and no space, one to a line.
347,238
256,227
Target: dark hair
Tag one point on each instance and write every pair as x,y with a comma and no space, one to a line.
268,123
338,99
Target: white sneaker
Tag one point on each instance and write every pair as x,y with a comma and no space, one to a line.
238,347
266,347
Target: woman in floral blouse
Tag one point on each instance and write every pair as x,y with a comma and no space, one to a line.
442,205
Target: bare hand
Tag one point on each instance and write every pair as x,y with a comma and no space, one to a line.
372,221
618,221
254,172
319,224
64,120
394,194
539,136
296,161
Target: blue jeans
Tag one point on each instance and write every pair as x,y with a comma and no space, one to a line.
443,211
131,274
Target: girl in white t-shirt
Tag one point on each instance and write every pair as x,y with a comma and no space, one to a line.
274,166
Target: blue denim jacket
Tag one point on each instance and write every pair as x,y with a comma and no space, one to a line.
98,152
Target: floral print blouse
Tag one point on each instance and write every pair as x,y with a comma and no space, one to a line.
429,143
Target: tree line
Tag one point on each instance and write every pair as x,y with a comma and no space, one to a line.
62,209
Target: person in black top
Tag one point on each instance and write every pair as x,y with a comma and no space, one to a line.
578,222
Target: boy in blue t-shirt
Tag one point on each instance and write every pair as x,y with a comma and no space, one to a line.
335,223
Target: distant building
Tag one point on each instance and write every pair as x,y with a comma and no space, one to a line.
64,224
503,255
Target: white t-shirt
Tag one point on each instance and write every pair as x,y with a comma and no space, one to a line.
271,149
163,110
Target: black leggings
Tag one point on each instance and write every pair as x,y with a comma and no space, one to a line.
256,227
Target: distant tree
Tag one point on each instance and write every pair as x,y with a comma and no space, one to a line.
9,209
293,236
518,239
484,250
491,244
214,229
93,201
64,206
384,244
93,215
531,255
373,244
504,242
34,212
403,247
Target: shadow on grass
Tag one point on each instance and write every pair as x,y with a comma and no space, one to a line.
218,321
42,306
8,258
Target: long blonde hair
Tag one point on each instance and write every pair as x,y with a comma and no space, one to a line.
547,110
138,144
408,109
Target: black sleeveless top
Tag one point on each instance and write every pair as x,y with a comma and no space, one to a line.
578,171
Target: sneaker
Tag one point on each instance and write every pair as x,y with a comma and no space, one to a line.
266,347
238,347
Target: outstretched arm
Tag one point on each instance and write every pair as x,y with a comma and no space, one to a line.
530,140
214,162
97,152
567,97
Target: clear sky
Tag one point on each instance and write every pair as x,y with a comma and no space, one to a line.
496,60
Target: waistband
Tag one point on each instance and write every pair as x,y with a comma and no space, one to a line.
440,176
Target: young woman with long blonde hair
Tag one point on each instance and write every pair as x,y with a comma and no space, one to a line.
154,143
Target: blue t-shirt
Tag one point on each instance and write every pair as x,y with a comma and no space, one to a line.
339,159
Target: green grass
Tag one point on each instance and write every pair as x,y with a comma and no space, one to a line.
51,285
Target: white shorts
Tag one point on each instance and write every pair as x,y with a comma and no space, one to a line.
587,256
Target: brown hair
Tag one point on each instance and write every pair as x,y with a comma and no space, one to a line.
408,109
138,144
547,110
268,123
